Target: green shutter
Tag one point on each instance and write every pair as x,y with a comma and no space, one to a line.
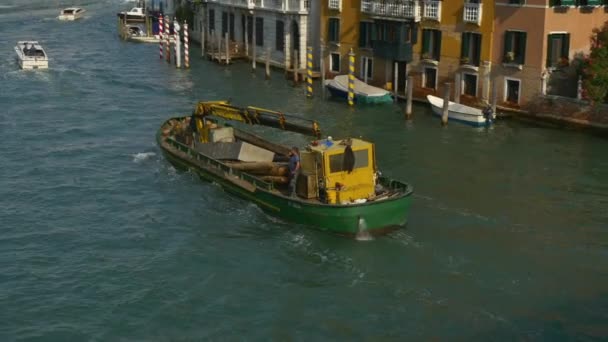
477,51
426,40
549,49
362,33
568,2
464,48
522,48
437,51
507,44
566,45
594,2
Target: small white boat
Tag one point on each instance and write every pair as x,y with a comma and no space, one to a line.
459,112
134,14
71,13
364,93
31,55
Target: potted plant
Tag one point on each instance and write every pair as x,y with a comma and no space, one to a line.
563,62
464,60
510,57
425,55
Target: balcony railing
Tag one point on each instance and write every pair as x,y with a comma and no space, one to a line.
394,9
472,13
300,6
432,10
335,4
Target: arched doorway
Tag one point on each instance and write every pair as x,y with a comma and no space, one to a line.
295,39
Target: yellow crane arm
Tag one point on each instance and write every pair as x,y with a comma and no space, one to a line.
257,116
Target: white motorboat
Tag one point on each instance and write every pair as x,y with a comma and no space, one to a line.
71,13
460,113
364,93
135,14
31,55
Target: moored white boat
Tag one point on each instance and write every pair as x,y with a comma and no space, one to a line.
71,13
134,14
459,112
31,55
364,93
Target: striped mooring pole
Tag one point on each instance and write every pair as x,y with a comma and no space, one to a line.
309,72
175,40
186,46
160,35
351,78
167,41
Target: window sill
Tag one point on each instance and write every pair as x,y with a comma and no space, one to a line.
370,49
469,67
335,44
513,65
429,61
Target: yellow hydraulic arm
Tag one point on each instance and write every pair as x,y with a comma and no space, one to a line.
256,116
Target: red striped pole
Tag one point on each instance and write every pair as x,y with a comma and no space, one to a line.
186,46
168,42
175,38
160,35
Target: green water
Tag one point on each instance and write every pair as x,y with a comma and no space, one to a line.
102,240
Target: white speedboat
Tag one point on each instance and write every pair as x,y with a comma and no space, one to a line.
71,13
31,55
364,93
460,113
135,14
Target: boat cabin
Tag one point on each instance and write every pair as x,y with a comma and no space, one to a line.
343,170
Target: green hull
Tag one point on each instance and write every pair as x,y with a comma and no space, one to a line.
375,217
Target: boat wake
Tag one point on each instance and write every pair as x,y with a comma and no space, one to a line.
142,156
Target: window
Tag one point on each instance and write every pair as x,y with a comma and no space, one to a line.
471,48
470,84
259,31
211,20
334,30
558,49
517,2
369,62
231,25
430,78
512,90
224,24
365,34
431,44
589,3
334,62
515,47
562,3
280,37
336,161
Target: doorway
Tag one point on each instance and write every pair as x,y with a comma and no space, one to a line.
401,75
512,88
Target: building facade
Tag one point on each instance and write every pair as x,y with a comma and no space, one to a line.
281,27
536,42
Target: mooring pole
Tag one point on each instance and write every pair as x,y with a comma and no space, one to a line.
178,50
351,78
186,46
446,104
268,63
457,87
253,44
168,41
203,41
410,91
309,71
295,67
322,66
227,43
160,35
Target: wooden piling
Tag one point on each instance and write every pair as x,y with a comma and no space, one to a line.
253,44
396,80
351,78
309,71
227,43
410,95
295,67
322,67
494,96
457,87
446,104
268,63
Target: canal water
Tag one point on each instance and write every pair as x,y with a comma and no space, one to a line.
101,239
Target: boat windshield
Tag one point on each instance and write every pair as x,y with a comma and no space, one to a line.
68,11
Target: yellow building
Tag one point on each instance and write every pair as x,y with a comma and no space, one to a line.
456,47
434,41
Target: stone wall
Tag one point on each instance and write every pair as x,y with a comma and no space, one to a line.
568,110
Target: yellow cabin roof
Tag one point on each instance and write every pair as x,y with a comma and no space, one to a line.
336,146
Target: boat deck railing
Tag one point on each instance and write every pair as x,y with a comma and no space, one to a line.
221,166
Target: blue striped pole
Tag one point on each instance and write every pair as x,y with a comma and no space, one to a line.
309,72
351,78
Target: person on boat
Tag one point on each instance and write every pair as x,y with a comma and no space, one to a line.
294,169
